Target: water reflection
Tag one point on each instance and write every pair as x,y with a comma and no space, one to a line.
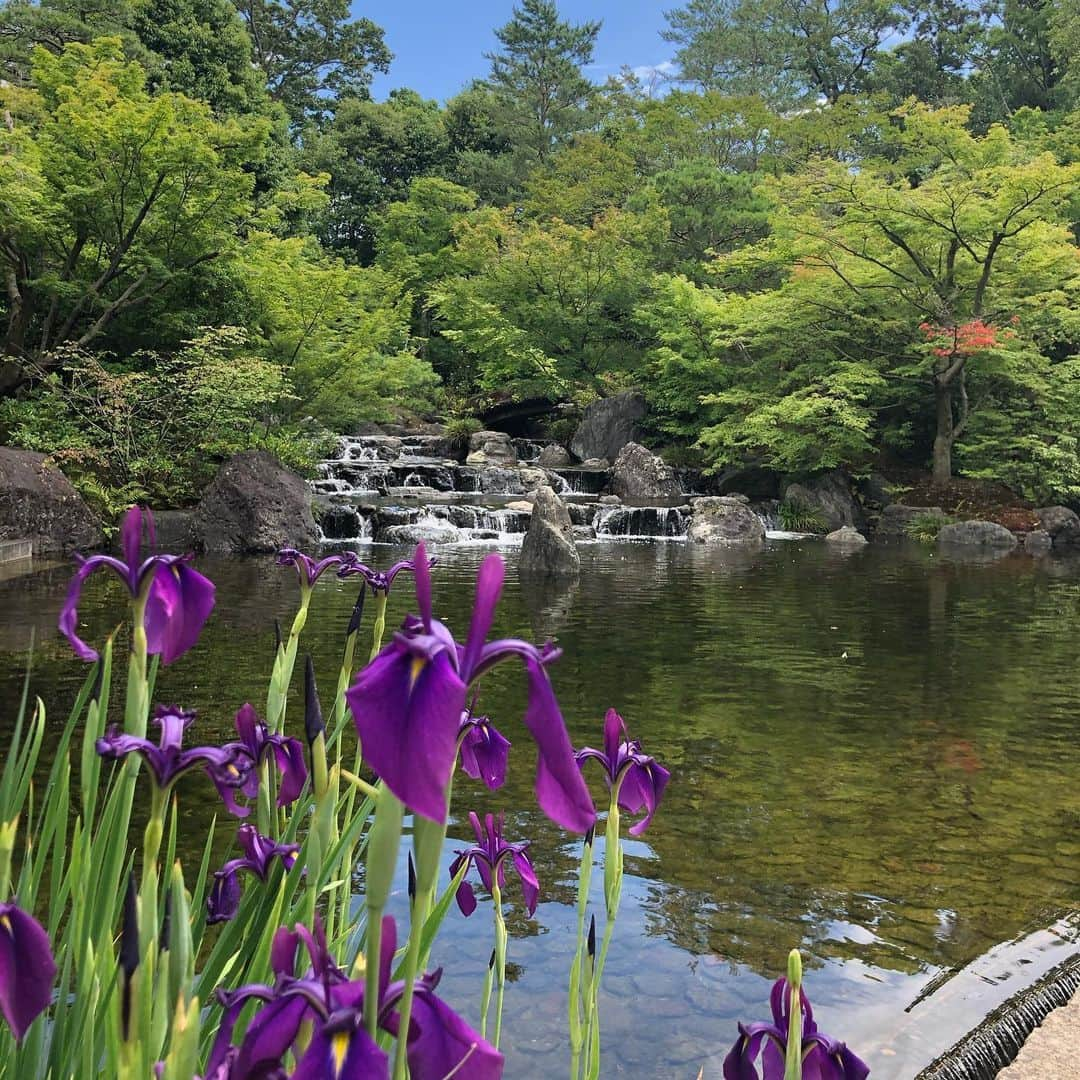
874,757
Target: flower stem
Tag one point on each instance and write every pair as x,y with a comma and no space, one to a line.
500,957
383,844
576,1003
379,626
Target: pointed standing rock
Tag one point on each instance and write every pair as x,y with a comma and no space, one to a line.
548,548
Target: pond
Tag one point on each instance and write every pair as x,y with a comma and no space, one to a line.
874,757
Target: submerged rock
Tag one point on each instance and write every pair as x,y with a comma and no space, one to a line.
491,448
723,519
640,475
38,503
986,534
846,537
254,505
1061,524
1038,542
607,426
548,548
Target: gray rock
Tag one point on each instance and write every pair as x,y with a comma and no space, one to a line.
443,533
580,514
38,503
548,548
499,480
584,532
895,518
724,520
533,478
846,537
1061,523
608,425
876,491
522,506
254,505
640,475
609,500
172,531
985,534
1038,542
830,495
553,456
491,448
598,464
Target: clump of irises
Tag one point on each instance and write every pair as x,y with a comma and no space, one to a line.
108,964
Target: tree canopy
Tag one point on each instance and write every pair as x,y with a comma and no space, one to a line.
837,234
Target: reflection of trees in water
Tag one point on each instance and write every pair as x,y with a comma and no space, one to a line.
909,804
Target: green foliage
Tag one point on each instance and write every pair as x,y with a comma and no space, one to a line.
798,517
925,527
154,429
460,428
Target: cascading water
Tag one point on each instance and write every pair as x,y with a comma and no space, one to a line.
391,489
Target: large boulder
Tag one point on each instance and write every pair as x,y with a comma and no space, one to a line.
896,517
548,548
724,519
254,505
553,456
830,495
1061,523
608,425
642,476
983,534
491,448
38,503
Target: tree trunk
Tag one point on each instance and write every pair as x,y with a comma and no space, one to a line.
943,439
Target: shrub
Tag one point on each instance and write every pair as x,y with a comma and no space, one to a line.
796,516
925,527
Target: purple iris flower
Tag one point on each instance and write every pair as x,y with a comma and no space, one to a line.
823,1058
440,1043
379,581
489,857
484,750
27,968
639,779
228,766
309,570
178,599
257,742
407,705
259,854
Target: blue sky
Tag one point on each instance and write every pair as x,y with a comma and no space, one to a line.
439,46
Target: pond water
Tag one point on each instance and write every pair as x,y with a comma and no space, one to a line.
874,757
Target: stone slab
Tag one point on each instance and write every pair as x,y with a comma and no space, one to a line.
13,550
1052,1050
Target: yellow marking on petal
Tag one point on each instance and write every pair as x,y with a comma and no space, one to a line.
418,663
232,769
5,922
339,1047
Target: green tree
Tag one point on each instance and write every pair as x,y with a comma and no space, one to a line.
340,332
111,198
786,50
311,53
892,318
372,152
538,79
547,309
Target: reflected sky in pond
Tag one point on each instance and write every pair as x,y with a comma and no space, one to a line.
874,757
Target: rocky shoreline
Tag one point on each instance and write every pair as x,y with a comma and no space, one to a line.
402,485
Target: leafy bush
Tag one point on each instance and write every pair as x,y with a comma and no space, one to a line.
156,428
796,516
925,527
460,428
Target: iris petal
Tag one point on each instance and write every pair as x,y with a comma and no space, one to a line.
27,968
